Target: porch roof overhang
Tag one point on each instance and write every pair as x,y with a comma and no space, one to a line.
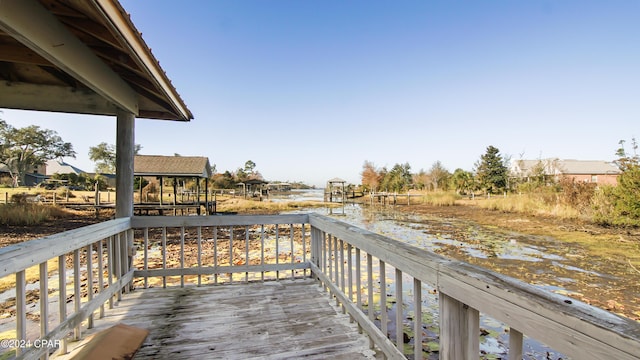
81,56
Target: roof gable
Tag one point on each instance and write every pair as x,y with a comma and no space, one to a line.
61,167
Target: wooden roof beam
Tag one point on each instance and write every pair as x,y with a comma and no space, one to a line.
16,95
31,24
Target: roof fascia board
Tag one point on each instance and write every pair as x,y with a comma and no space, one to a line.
168,174
31,24
124,28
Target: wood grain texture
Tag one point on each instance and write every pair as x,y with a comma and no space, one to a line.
284,319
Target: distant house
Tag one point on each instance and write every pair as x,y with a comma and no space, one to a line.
61,167
590,171
31,178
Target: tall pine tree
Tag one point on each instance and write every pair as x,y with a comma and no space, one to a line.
491,171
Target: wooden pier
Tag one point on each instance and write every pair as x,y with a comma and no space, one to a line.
259,320
266,275
391,198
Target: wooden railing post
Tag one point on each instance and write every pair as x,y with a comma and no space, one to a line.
21,309
515,344
459,330
315,247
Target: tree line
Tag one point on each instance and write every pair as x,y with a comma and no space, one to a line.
605,204
490,175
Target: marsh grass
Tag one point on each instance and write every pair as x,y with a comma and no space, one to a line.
26,214
530,204
441,198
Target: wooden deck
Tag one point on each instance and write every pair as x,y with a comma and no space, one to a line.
276,320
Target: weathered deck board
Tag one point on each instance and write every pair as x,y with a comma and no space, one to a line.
273,320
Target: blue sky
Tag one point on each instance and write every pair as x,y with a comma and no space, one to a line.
309,90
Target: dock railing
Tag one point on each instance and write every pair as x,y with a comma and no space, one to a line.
354,265
90,266
464,292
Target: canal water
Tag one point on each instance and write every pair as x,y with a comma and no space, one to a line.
542,261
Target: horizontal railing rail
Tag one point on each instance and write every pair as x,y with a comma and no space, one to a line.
368,274
464,291
97,258
214,249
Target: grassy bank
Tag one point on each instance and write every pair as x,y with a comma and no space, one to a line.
530,205
29,214
536,215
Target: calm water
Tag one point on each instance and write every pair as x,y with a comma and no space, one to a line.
544,261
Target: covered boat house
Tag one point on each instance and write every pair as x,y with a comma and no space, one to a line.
177,168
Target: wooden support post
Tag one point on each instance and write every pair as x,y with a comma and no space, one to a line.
198,196
206,196
161,189
459,330
124,163
175,194
125,151
140,200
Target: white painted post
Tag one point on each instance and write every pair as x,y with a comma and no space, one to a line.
515,344
125,145
90,281
399,312
417,319
21,309
370,306
77,294
459,330
384,316
44,299
62,297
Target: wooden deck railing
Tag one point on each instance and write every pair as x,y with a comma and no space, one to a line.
356,266
464,291
95,255
222,248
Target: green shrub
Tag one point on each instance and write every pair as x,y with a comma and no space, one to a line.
577,195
